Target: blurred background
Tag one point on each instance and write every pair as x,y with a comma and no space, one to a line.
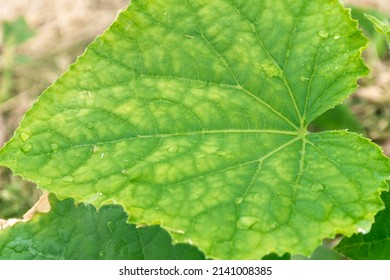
39,39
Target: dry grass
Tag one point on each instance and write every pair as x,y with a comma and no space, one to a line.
380,5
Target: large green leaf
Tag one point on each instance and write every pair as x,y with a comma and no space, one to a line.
194,115
374,245
69,232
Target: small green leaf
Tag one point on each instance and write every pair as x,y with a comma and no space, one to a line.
372,245
193,115
80,232
380,26
16,32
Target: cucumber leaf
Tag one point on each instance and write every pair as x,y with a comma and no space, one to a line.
193,115
68,232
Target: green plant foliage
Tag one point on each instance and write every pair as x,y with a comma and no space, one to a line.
377,40
70,232
340,117
16,32
321,253
374,245
193,115
380,26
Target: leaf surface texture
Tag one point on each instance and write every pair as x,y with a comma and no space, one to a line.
193,115
70,232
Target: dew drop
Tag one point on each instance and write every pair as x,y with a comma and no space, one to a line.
323,34
361,230
24,136
221,153
238,200
124,171
54,147
90,125
101,254
303,78
173,149
317,188
94,149
110,226
26,148
68,179
364,227
246,222
336,36
178,231
92,198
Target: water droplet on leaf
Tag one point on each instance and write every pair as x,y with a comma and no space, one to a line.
101,254
221,153
364,227
24,136
336,36
323,34
178,231
238,200
110,226
26,148
94,149
317,188
246,222
68,179
303,78
362,231
54,147
90,125
173,149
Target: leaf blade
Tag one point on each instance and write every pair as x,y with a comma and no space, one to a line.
184,124
70,232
